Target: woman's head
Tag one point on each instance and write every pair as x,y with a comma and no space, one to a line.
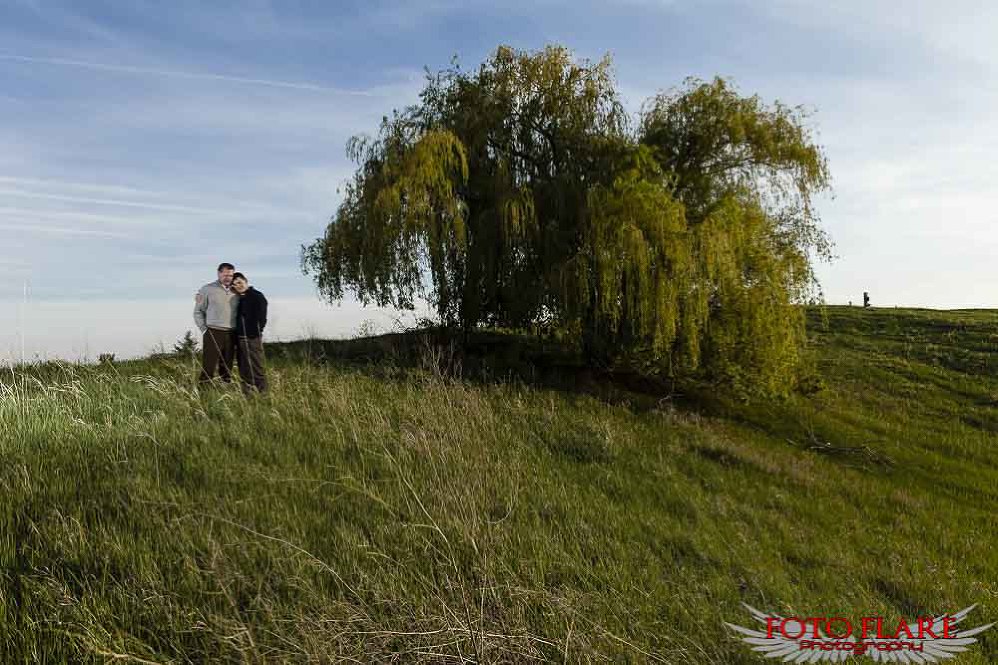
239,283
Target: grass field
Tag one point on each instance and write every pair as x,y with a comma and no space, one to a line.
381,510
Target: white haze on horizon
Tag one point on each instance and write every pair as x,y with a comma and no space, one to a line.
83,330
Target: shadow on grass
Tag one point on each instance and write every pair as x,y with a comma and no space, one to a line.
484,357
489,357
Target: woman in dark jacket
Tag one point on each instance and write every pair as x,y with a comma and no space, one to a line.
251,318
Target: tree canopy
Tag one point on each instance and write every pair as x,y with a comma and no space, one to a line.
522,195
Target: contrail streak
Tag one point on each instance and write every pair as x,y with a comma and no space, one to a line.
108,189
109,202
128,69
61,216
31,227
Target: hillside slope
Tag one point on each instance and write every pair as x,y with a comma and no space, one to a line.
375,511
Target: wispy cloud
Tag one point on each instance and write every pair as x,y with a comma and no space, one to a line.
110,202
962,30
85,186
264,120
33,227
70,18
77,217
205,76
13,263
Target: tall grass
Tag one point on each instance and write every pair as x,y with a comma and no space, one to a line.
375,513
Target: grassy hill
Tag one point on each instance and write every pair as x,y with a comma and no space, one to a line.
371,508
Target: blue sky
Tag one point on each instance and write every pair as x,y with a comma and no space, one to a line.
143,142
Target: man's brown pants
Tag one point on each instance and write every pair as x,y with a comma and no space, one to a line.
249,355
218,350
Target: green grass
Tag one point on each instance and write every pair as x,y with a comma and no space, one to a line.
380,510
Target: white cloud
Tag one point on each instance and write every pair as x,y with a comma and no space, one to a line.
959,29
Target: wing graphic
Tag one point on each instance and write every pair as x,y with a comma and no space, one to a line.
789,651
877,649
932,650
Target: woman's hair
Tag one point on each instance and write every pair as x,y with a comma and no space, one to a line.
239,275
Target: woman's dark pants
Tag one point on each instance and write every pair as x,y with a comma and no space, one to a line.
249,355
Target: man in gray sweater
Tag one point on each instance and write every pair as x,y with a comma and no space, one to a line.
215,315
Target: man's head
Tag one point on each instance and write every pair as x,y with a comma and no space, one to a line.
225,271
240,283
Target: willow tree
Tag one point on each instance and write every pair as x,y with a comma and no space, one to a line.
746,173
521,194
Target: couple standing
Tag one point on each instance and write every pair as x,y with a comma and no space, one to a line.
231,314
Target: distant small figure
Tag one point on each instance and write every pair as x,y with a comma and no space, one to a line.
850,303
866,299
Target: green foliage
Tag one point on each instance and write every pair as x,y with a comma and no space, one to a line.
634,267
187,345
520,196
